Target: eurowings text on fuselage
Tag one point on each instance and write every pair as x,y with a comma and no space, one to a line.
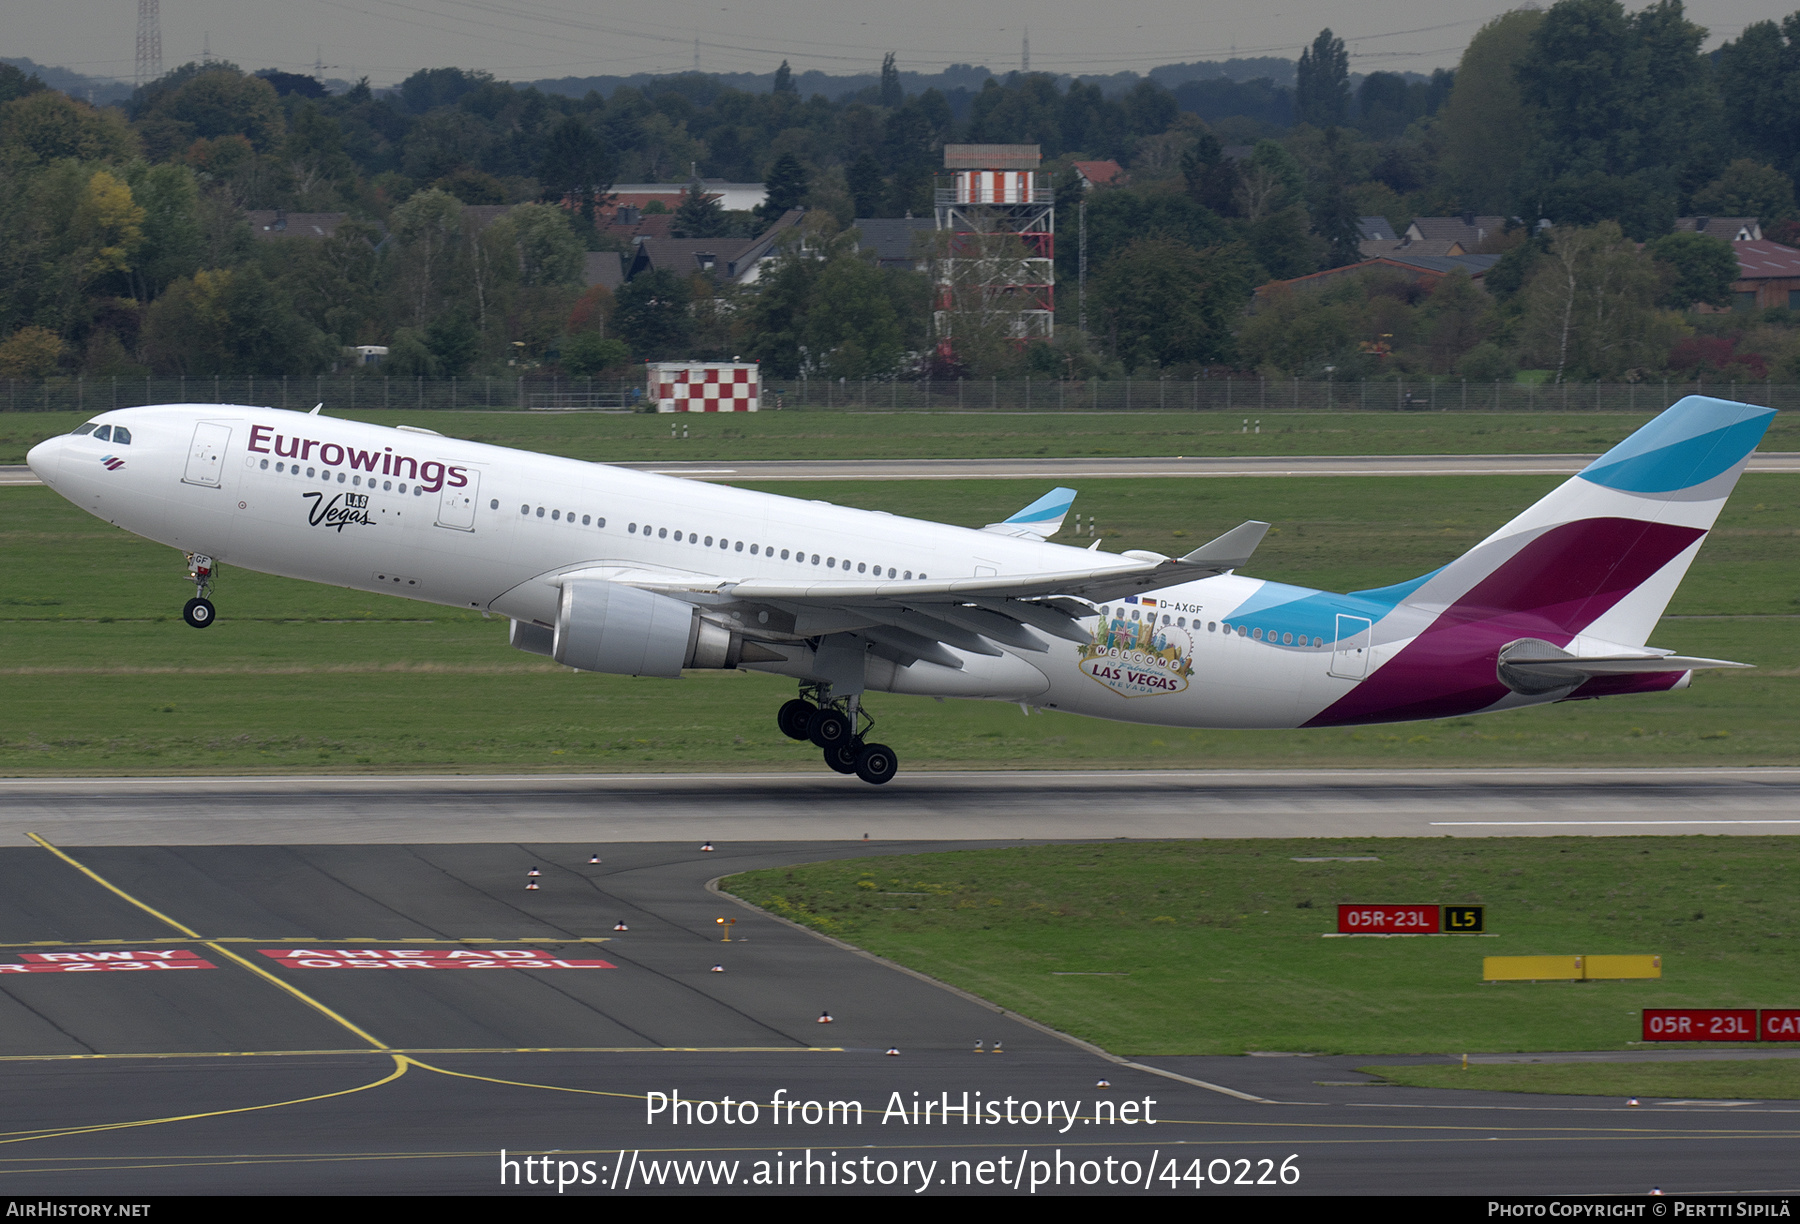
613,570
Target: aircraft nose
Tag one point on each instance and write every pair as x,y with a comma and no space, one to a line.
45,459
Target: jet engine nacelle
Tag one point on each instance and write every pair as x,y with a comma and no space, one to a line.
605,627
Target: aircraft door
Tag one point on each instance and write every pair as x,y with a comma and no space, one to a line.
1350,654
207,454
456,507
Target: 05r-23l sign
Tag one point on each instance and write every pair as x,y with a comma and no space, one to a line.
1411,919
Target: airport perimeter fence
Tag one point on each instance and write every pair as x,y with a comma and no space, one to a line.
1244,395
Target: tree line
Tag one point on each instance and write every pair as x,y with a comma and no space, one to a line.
125,250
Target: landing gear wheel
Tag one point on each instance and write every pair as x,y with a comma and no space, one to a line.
198,613
876,764
843,757
794,717
829,728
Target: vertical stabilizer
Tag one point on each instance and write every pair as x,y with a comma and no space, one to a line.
1590,567
1603,554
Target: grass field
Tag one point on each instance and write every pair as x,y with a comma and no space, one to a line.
1216,947
98,674
1760,1079
609,437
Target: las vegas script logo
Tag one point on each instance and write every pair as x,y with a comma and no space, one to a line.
340,512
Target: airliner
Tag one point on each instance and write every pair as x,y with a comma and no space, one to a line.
608,569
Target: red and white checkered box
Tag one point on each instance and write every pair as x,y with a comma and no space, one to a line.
705,386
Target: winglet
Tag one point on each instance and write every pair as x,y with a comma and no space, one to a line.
1042,518
316,407
1230,550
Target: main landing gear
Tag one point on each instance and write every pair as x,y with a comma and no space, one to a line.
832,729
199,611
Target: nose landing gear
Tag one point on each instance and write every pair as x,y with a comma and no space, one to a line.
831,726
198,611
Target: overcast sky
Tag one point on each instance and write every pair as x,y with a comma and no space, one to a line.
386,40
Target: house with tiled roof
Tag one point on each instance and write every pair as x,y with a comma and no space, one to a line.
605,268
1376,248
1468,231
1768,276
1731,229
894,241
736,261
1420,269
1100,174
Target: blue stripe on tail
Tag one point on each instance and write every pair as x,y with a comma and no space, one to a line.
1695,440
1051,506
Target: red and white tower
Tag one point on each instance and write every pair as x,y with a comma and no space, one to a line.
996,245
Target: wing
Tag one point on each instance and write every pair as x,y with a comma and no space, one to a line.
908,621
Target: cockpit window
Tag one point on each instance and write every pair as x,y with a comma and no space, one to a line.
103,434
85,429
121,435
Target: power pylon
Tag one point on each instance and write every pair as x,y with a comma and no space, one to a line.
149,41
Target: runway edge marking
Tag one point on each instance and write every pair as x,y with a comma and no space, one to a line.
712,886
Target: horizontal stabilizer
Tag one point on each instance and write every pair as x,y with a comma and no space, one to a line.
1535,666
1040,520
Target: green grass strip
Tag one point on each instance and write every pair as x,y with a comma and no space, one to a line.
1219,946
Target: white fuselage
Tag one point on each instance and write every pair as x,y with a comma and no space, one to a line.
475,526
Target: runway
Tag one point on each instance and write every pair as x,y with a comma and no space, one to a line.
328,1039
1093,469
949,806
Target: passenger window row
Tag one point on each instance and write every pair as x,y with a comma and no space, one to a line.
556,516
323,475
723,543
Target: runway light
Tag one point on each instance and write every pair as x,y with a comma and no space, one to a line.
893,1051
620,925
1632,1102
706,847
718,968
534,873
531,886
997,1049
727,923
824,1017
1103,1084
593,858
980,1048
